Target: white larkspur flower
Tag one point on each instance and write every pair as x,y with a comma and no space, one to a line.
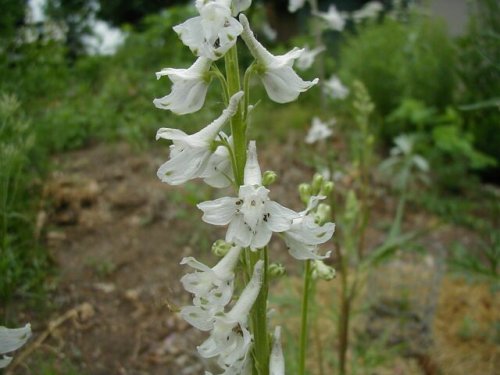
190,154
319,130
306,60
334,19
277,360
281,82
213,32
189,87
334,88
212,283
369,10
295,5
252,216
240,6
304,236
12,339
230,338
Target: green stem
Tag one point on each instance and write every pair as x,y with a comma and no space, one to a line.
258,316
261,346
396,225
238,128
303,328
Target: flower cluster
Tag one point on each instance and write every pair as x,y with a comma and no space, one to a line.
224,159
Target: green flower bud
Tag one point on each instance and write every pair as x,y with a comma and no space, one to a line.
323,214
327,188
317,182
220,248
352,206
276,270
321,271
269,178
305,192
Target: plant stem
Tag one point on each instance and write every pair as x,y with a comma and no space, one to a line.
259,318
238,128
396,225
238,131
303,329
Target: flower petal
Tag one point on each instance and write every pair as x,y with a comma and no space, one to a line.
219,211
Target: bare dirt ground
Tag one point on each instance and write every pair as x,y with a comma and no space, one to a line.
117,234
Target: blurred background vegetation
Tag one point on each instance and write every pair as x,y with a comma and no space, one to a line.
61,91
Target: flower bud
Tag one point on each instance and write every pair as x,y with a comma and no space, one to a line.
305,192
221,248
317,182
276,270
327,188
269,178
323,214
321,271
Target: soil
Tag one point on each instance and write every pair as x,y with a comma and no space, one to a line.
117,235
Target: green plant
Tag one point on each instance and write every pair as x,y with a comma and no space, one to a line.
398,60
22,262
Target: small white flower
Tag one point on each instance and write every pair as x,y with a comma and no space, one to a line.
369,10
306,60
212,33
190,154
277,360
240,6
270,33
189,87
281,82
230,338
319,130
304,235
335,89
295,5
12,339
334,19
212,283
252,216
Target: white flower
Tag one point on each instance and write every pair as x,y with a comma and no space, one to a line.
333,18
189,154
252,217
240,6
281,82
304,236
212,289
269,32
277,360
319,130
12,339
189,87
306,60
212,33
295,5
230,338
335,89
369,10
